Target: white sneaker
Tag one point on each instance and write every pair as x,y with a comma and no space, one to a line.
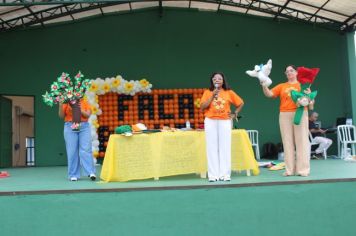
92,177
225,178
73,179
213,179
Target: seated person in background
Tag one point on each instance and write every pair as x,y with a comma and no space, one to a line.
318,135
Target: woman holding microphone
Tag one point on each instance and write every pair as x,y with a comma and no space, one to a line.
215,103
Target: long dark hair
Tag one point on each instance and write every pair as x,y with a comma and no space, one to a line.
224,85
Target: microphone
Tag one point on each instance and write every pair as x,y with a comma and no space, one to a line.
217,87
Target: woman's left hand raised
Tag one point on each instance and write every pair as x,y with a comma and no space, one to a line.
307,91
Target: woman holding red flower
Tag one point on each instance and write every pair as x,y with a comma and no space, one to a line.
78,142
294,137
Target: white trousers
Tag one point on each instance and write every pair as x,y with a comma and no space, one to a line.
218,147
324,143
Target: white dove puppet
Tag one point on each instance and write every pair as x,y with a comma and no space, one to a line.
262,72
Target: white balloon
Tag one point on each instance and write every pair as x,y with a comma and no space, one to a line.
96,143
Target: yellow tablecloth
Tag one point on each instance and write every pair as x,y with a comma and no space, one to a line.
155,155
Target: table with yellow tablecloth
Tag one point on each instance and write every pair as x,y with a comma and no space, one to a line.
155,155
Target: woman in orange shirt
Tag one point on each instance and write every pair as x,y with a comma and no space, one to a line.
78,143
294,137
215,103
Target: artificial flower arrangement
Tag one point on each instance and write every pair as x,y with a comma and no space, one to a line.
306,77
67,90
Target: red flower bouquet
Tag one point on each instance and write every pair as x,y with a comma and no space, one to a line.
307,75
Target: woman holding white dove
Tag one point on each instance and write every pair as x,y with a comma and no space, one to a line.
294,137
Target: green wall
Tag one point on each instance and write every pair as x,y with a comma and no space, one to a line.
179,50
352,71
